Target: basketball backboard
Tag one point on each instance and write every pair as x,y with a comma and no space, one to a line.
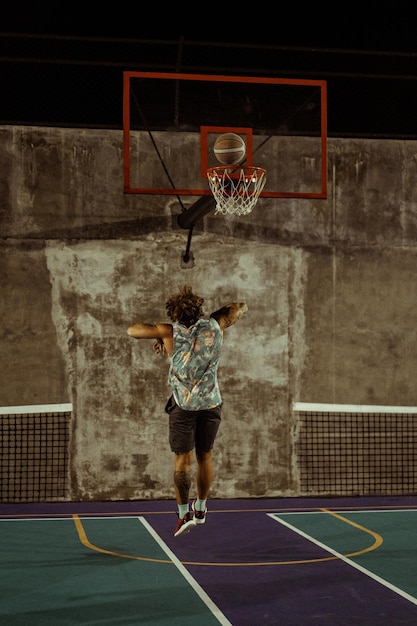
171,121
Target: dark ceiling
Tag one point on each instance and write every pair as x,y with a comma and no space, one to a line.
65,72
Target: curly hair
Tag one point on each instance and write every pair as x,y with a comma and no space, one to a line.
185,307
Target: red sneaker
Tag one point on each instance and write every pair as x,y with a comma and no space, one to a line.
199,516
184,525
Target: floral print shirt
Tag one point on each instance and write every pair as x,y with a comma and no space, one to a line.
194,363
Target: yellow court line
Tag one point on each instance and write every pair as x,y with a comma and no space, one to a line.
85,541
378,539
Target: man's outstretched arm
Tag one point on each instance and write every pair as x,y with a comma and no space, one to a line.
230,314
161,332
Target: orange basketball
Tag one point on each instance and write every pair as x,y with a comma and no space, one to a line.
230,149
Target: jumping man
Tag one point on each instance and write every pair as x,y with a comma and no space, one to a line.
193,344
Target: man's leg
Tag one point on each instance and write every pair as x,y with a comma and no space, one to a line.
204,474
182,437
204,480
207,427
182,482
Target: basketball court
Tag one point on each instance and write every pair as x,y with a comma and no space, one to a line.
257,561
295,561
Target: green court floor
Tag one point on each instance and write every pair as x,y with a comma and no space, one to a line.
382,544
249,567
48,576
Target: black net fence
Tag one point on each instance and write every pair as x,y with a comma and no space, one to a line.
34,454
355,453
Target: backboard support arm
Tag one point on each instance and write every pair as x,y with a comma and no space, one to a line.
196,211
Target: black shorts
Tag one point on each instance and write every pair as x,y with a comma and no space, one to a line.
192,429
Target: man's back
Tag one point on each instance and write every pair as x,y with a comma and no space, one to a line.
194,364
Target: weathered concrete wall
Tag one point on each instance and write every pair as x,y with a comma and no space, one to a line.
330,286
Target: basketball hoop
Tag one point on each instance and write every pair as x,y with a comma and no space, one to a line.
236,189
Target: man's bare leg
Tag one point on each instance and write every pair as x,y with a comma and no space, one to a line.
204,480
182,480
204,474
182,483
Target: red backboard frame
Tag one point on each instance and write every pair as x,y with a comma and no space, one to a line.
128,76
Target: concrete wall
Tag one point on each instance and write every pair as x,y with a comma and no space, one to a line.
330,286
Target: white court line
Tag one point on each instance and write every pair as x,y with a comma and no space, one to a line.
205,598
347,511
192,582
63,517
343,558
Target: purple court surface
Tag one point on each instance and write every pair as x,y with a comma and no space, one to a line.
281,561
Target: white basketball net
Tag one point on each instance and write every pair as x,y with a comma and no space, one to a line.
236,190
